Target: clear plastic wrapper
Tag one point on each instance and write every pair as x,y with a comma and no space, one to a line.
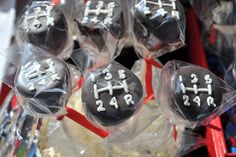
101,26
191,95
218,18
112,96
47,26
159,26
42,82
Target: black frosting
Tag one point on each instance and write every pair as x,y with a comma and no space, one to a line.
110,114
49,30
45,88
194,111
158,27
96,33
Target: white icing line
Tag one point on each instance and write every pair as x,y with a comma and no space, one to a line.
95,89
161,10
100,106
194,78
197,100
97,12
186,100
128,99
114,102
210,101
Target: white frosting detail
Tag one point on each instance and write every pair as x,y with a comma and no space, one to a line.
93,78
108,74
128,99
197,100
98,11
31,87
210,101
121,74
34,73
39,13
160,5
100,106
123,85
208,79
194,78
195,89
114,103
186,100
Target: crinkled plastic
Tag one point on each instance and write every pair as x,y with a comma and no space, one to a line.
113,95
219,29
42,82
192,95
80,142
47,26
19,132
188,140
159,26
101,26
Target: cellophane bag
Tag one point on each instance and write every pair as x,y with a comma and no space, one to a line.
47,26
218,33
43,83
191,95
158,26
112,96
102,26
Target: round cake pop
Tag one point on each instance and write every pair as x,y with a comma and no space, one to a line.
159,25
100,22
111,94
197,93
45,84
45,26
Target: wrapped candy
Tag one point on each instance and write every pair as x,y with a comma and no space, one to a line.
101,26
111,94
189,94
159,26
45,25
42,82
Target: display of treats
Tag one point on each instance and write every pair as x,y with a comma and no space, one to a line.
75,92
